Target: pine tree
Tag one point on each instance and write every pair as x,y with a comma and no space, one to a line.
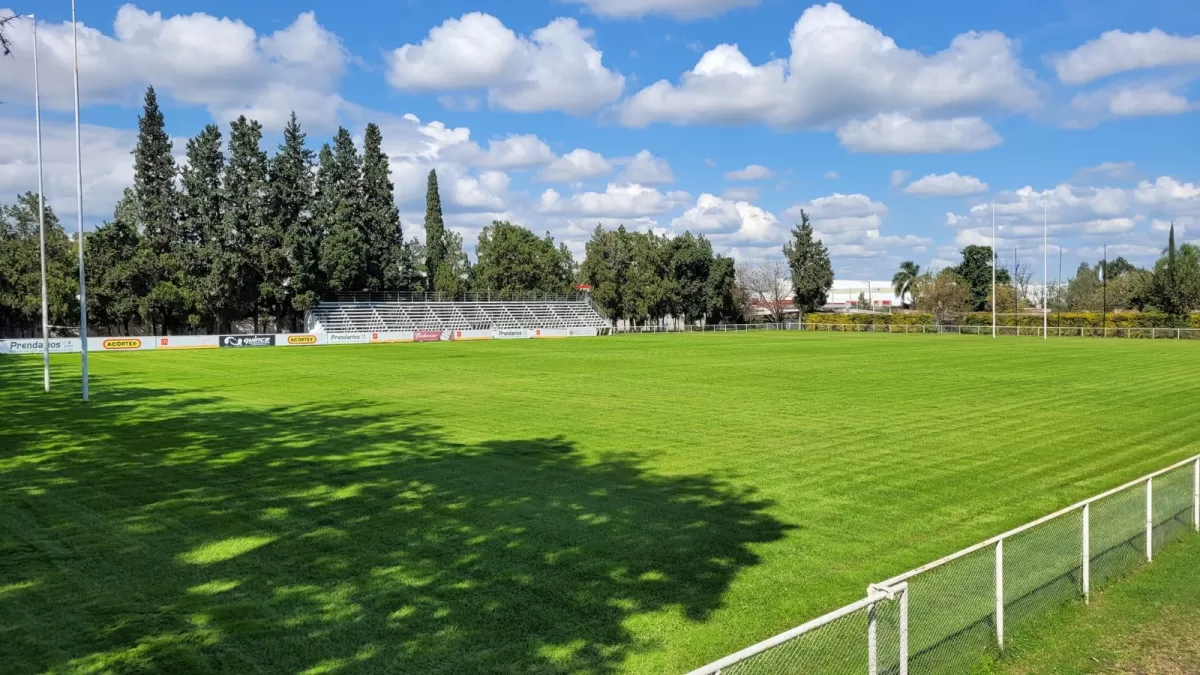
164,304
812,273
435,233
381,220
201,221
289,245
114,287
344,248
234,278
154,179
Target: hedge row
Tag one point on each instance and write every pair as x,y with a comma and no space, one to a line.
1066,319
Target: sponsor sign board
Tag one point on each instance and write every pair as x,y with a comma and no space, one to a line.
121,344
391,336
34,346
551,333
512,334
240,341
299,340
582,332
427,336
186,342
466,335
348,338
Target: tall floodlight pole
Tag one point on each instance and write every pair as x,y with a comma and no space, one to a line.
1046,271
37,115
83,331
993,270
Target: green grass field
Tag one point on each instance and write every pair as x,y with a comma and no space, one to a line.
639,504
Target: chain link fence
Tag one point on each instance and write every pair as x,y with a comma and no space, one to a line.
1022,331
944,617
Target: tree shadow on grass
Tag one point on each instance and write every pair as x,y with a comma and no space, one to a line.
154,531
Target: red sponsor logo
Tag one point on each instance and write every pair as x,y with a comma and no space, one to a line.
163,342
374,336
427,336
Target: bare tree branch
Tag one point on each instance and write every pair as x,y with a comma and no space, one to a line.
5,42
769,286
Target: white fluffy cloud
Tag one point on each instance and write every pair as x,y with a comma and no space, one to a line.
1118,52
516,152
617,201
899,176
839,68
1070,210
194,59
1132,101
752,172
107,165
729,221
555,68
897,133
679,9
646,169
946,185
575,166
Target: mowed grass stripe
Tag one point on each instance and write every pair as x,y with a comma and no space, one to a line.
638,504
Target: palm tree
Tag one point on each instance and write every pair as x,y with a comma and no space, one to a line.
903,282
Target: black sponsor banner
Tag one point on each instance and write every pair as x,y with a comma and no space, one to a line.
247,341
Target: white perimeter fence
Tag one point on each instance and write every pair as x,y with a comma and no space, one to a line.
1023,331
945,616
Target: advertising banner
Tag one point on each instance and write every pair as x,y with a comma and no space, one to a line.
427,336
240,341
121,344
468,335
348,338
512,334
34,346
551,333
186,342
286,340
383,337
582,332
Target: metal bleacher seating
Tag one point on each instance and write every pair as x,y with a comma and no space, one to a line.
352,312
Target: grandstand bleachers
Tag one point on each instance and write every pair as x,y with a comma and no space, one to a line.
341,316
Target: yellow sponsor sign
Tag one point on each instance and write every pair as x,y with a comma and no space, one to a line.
302,339
123,343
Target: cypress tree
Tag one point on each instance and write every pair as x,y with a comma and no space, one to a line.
812,273
289,283
201,214
234,277
381,220
435,233
154,178
344,248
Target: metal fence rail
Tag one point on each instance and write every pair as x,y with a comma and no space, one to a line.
944,616
1023,331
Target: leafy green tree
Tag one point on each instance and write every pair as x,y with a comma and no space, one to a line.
606,268
690,261
511,260
381,220
344,251
453,277
201,224
726,300
1116,268
1175,285
435,231
903,280
946,295
290,245
976,270
21,271
811,270
648,289
115,285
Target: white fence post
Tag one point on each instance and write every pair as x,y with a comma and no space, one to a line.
904,631
1000,594
1087,553
1149,520
873,639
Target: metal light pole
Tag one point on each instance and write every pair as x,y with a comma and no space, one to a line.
83,331
37,115
1046,271
993,270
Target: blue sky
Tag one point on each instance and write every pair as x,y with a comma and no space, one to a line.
893,124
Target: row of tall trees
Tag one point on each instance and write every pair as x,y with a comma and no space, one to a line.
642,277
239,235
